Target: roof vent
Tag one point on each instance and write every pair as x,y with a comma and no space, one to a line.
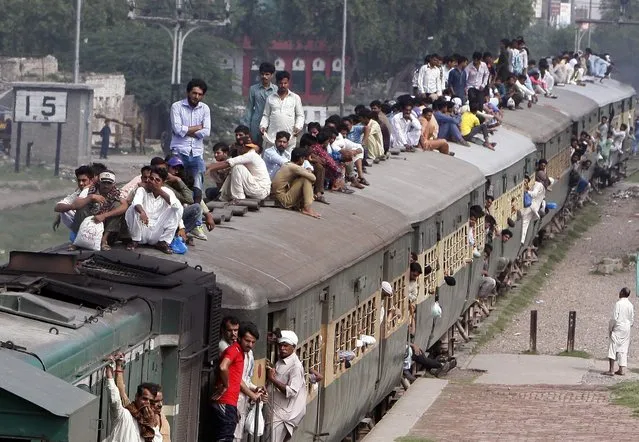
35,307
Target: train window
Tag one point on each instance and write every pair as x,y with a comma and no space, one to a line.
507,204
396,304
480,234
361,321
558,163
431,281
456,250
310,353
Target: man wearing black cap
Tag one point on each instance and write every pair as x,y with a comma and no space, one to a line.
105,204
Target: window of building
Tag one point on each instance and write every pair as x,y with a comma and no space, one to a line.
299,76
318,79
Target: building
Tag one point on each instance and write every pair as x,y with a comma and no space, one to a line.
315,69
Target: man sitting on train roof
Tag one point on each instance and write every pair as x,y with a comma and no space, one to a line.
83,179
448,123
136,422
154,214
293,185
406,129
104,203
248,177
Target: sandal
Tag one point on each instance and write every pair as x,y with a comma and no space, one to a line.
131,246
163,247
105,247
364,182
321,199
345,190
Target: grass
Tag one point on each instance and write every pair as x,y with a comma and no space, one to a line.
627,395
413,439
555,252
575,354
29,228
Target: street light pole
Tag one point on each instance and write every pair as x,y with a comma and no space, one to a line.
78,18
343,76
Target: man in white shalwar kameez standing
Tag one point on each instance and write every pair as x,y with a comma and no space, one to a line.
282,112
619,332
154,214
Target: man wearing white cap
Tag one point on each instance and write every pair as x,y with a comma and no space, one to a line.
289,389
105,204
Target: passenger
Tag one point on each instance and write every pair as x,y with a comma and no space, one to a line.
191,123
229,384
430,131
242,136
512,97
406,129
542,176
373,138
128,190
619,326
258,94
277,155
334,171
249,392
430,80
319,169
470,126
221,153
83,178
156,404
283,112
488,284
533,212
229,329
137,422
415,354
248,177
352,150
448,124
289,389
293,185
384,123
313,128
457,78
104,203
154,214
478,75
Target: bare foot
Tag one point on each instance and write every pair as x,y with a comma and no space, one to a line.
72,248
619,373
311,212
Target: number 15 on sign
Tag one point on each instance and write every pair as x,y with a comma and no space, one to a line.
37,106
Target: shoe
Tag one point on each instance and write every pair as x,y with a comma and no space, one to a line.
198,232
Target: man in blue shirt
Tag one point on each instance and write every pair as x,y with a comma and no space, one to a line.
258,93
105,133
190,123
277,155
457,78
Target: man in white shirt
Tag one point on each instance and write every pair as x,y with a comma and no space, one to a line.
406,129
83,178
288,383
283,112
154,214
126,427
248,178
623,316
191,123
430,80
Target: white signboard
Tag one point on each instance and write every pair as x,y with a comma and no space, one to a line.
37,106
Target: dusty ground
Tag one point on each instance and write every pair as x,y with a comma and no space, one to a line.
574,286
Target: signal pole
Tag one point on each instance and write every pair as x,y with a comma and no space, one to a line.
179,28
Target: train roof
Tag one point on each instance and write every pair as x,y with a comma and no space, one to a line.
421,184
610,91
511,148
40,388
539,123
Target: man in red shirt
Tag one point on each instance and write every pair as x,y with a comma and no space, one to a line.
225,415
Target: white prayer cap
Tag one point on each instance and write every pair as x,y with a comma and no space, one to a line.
386,287
107,177
288,337
457,101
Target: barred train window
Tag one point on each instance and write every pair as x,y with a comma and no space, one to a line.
558,164
310,353
480,234
456,250
397,303
431,280
360,321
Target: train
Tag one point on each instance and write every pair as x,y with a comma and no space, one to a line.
320,278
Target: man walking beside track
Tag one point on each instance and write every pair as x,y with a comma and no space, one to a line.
619,327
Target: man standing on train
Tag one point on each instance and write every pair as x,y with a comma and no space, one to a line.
229,384
289,389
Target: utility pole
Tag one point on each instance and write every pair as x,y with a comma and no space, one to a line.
179,28
76,64
343,76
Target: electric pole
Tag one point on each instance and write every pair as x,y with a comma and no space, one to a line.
179,28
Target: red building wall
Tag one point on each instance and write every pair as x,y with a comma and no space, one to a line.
311,65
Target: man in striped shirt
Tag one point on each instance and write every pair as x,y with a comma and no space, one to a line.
190,123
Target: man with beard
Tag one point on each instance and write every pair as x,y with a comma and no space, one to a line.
137,421
283,112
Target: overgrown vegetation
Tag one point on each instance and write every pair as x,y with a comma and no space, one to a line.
627,395
515,302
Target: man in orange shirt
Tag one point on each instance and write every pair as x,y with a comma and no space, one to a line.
430,129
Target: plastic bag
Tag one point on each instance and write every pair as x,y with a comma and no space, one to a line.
178,246
550,205
436,310
89,235
249,424
527,199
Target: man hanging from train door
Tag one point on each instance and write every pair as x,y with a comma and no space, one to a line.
289,389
